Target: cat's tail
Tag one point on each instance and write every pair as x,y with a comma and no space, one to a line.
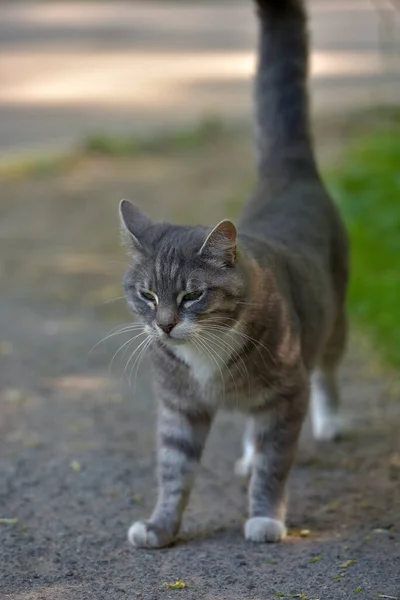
282,114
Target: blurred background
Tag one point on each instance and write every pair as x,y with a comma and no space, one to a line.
152,101
69,69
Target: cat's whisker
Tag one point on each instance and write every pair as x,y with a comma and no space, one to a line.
114,299
255,342
128,346
118,262
120,330
130,357
135,355
249,304
128,343
233,351
223,319
199,342
230,334
218,343
140,359
214,346
226,365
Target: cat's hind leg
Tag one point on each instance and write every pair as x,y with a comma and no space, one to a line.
244,465
327,423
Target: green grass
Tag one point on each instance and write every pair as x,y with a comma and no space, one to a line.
39,166
367,186
192,138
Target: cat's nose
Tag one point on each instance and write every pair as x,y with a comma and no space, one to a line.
167,328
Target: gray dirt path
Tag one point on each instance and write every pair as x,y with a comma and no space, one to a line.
77,447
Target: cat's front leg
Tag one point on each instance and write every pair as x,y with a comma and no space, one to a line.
181,438
276,434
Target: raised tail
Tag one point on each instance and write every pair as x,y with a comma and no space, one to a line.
282,114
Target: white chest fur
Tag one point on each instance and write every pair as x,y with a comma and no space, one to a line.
202,365
208,359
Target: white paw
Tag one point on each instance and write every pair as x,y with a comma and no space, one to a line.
144,535
328,428
264,529
243,467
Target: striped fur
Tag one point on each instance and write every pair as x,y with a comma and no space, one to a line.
245,321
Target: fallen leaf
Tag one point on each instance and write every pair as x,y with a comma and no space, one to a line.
367,538
138,498
348,563
299,533
339,576
75,466
358,590
8,521
31,443
271,562
380,531
316,559
304,532
179,585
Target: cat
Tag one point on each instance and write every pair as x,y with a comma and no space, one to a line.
252,318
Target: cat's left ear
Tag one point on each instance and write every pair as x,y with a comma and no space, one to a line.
134,224
221,243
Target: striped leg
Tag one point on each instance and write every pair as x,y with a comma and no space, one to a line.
275,436
181,441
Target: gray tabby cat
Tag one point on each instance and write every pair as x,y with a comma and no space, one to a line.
250,320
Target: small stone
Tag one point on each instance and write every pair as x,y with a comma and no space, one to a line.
75,466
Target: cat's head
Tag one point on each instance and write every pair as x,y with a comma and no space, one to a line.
181,279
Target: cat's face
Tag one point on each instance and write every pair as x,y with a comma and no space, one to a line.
182,280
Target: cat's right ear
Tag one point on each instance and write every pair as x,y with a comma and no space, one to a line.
133,226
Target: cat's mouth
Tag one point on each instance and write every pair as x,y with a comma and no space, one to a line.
172,341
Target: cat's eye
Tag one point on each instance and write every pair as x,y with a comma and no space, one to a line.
191,296
148,296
